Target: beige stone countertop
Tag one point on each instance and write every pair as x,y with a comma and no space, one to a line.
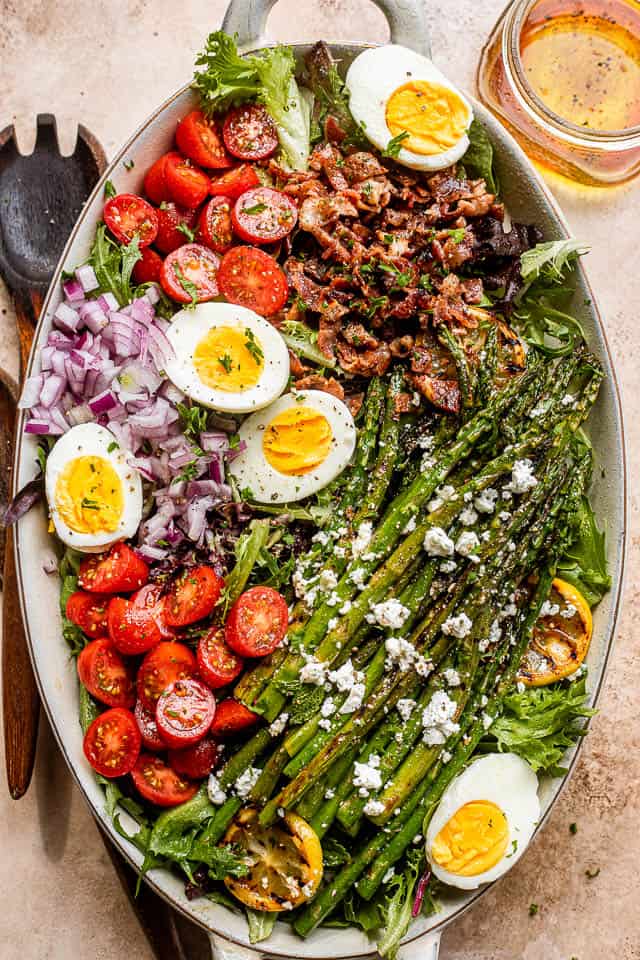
107,64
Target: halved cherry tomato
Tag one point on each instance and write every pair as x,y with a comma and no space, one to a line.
148,728
150,598
89,612
132,625
184,712
158,783
112,743
199,139
162,666
264,215
214,225
249,132
257,622
148,268
105,674
192,268
251,278
192,596
120,570
231,717
217,664
155,181
186,183
175,227
234,182
196,761
128,216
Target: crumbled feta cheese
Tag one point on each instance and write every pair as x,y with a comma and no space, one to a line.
246,781
215,791
405,708
467,542
328,708
332,600
567,400
437,543
373,808
320,537
367,776
504,516
486,721
457,626
437,719
549,609
346,606
359,577
569,611
390,613
331,624
362,539
452,677
329,794
327,580
486,500
411,525
278,725
445,756
354,699
345,676
522,477
314,671
468,517
400,652
448,566
468,497
520,686
443,495
494,636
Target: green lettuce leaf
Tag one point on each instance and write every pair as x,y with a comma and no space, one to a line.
226,78
113,265
260,924
304,341
478,160
397,905
550,259
585,563
541,723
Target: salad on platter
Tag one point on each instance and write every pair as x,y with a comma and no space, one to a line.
311,429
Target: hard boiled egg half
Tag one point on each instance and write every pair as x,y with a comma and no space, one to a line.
484,821
94,496
295,447
227,357
394,91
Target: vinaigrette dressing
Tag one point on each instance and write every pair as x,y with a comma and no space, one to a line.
564,76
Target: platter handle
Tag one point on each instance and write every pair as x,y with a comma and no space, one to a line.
406,19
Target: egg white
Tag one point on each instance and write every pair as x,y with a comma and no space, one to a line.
501,778
372,78
252,469
190,326
92,440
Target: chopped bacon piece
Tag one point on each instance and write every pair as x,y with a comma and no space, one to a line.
327,384
444,394
365,363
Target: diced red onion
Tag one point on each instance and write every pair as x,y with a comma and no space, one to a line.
45,359
170,392
75,376
104,402
66,318
58,419
94,316
85,360
79,414
152,293
159,346
39,427
86,277
31,392
152,553
108,302
52,390
420,892
234,452
216,470
214,442
135,374
90,381
49,562
73,290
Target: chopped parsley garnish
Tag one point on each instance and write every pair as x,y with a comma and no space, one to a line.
533,909
573,828
109,190
374,304
114,445
190,471
425,282
255,209
226,362
187,285
253,346
188,232
402,279
194,419
88,504
458,234
128,164
393,147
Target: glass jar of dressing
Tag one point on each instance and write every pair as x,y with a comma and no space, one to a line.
564,77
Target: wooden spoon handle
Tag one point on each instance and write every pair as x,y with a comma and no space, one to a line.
21,702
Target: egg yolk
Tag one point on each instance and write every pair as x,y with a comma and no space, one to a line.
434,116
473,840
229,359
89,496
297,440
